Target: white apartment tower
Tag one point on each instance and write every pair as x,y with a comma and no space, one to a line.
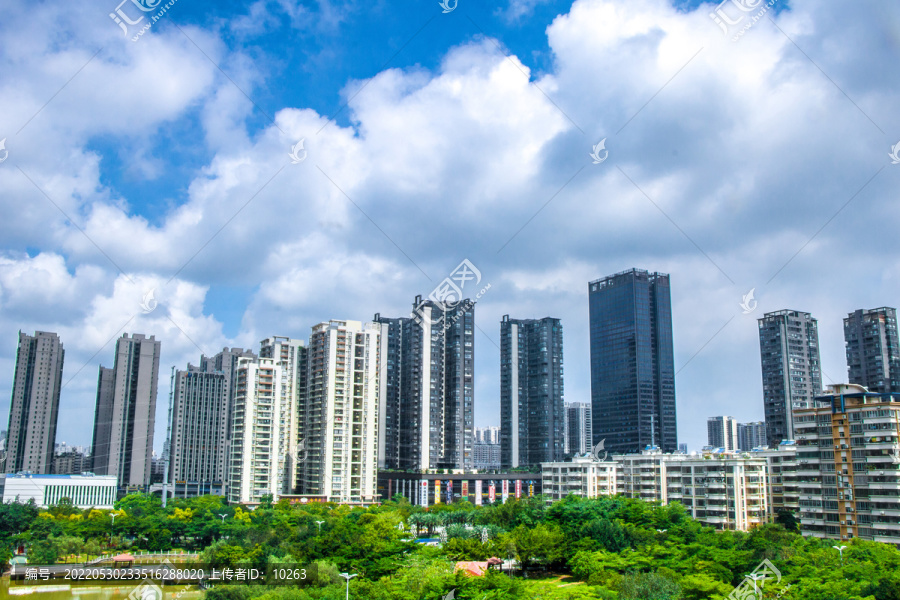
290,356
340,425
255,441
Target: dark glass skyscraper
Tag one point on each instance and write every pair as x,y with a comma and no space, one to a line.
532,410
632,362
873,349
427,416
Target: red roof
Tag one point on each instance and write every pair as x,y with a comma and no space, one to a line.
123,558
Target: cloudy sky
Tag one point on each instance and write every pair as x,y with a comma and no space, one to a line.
752,158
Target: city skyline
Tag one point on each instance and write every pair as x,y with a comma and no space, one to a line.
466,142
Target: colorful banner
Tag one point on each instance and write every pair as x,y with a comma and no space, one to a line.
437,491
478,492
423,493
518,488
530,489
465,490
505,490
449,492
492,492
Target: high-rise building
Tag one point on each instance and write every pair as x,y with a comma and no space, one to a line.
198,448
253,469
632,362
428,393
126,412
341,417
751,435
34,408
791,372
578,427
847,459
487,456
532,409
71,462
487,435
202,405
722,432
873,349
291,356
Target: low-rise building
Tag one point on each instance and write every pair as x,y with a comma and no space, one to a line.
83,491
784,494
725,491
583,476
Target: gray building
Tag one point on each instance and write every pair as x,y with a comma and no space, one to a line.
427,394
126,412
752,435
487,456
632,362
791,371
487,435
532,409
71,462
202,405
722,432
579,426
34,408
873,349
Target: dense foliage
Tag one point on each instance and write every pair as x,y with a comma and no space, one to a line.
576,548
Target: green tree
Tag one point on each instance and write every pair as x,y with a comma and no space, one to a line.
648,586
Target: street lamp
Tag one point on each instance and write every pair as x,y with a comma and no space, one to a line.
319,523
840,550
348,577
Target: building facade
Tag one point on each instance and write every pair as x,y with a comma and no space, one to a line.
722,432
126,412
848,465
341,416
632,362
791,372
487,435
873,349
198,447
582,476
82,490
291,356
579,428
532,409
428,489
253,469
487,457
752,435
71,463
34,408
428,394
784,492
725,491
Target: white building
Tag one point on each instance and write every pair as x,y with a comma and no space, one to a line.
256,446
784,493
84,491
290,356
579,427
583,476
722,432
340,423
725,491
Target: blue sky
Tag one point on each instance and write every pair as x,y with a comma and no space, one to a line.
163,164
